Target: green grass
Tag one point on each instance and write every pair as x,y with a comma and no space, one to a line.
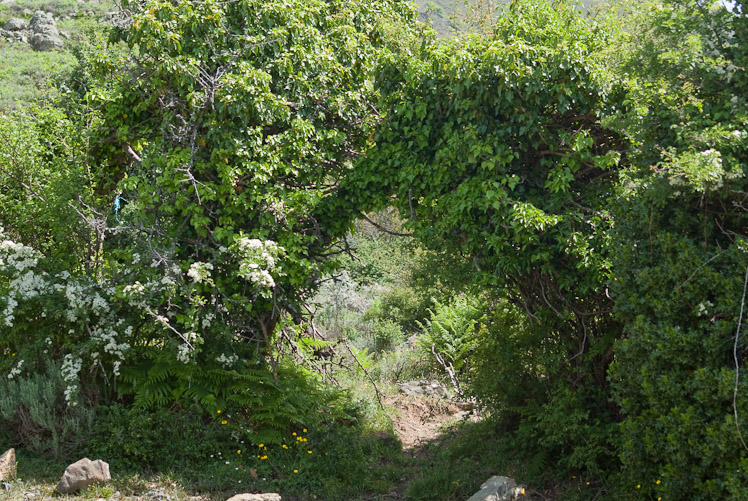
25,74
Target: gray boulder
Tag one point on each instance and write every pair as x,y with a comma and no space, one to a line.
8,464
422,388
14,36
499,489
82,474
43,23
156,494
256,497
45,42
15,24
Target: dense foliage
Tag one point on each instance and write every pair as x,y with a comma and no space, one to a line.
680,257
494,150
574,193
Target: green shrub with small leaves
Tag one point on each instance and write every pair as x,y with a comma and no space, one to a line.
34,410
681,255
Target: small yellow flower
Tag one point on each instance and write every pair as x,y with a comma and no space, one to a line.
262,445
296,471
658,482
638,486
264,457
659,498
13,355
218,411
294,434
284,446
588,483
239,451
309,452
304,430
224,422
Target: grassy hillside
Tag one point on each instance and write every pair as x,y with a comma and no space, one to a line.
25,74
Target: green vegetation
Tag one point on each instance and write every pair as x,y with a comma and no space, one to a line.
229,231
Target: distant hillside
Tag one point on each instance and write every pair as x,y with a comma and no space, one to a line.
440,13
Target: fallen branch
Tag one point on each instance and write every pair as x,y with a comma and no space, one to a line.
450,370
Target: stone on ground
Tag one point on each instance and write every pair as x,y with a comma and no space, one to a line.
8,464
41,33
499,489
44,42
15,24
422,388
256,497
82,474
43,22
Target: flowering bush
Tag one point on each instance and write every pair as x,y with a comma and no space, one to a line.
198,217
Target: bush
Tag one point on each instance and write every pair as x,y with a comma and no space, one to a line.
134,439
36,415
674,375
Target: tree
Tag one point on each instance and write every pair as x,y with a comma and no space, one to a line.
494,150
228,125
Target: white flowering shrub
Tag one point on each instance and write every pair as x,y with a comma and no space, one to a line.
77,311
257,260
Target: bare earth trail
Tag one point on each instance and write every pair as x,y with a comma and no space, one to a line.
418,422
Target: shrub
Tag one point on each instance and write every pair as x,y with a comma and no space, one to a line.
34,411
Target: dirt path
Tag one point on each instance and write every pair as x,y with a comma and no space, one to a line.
418,420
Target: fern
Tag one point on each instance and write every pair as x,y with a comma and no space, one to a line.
265,403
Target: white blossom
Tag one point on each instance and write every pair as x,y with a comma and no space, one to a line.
200,272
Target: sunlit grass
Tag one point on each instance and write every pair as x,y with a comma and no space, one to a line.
25,75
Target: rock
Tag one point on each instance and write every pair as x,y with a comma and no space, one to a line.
32,494
43,23
423,389
83,473
256,497
156,494
8,464
15,24
43,42
499,489
14,36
